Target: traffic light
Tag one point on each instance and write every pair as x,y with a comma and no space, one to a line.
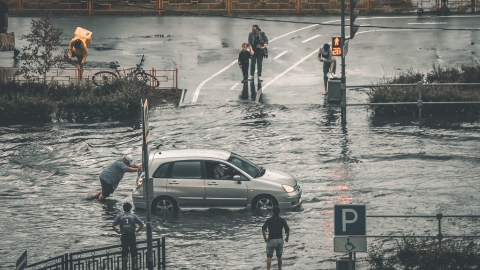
353,16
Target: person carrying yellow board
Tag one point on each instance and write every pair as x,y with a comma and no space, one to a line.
78,47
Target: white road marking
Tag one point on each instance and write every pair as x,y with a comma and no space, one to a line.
314,37
311,54
197,91
430,23
234,86
199,87
278,56
294,31
286,71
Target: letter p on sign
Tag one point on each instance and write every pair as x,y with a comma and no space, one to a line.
350,219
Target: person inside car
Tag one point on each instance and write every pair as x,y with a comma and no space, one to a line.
222,172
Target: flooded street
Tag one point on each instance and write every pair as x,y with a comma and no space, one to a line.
390,165
392,169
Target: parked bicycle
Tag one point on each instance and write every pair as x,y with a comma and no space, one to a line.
103,77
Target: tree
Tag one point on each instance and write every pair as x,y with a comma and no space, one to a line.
38,57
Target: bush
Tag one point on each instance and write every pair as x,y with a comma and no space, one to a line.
120,100
422,254
466,74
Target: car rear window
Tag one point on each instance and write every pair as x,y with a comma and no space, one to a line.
187,169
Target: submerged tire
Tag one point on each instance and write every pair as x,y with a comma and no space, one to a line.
104,77
264,202
164,206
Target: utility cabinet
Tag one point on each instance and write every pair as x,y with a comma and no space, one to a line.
334,94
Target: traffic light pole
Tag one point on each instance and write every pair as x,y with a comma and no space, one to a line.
146,186
343,85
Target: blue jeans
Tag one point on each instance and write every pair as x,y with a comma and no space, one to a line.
257,58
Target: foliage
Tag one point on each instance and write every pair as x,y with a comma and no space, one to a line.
38,56
120,100
450,93
424,254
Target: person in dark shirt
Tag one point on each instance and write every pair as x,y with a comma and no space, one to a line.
257,41
127,222
243,58
275,225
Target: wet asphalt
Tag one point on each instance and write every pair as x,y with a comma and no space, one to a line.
204,50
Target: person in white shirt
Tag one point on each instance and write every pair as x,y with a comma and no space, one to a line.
329,63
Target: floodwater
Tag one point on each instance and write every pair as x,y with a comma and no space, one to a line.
393,169
390,165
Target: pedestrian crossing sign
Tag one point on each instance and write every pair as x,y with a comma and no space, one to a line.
336,46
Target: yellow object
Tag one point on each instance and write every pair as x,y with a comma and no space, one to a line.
84,35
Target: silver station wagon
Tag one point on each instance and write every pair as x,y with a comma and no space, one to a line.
198,178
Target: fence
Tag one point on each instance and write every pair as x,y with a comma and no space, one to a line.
419,103
167,78
222,6
106,258
440,232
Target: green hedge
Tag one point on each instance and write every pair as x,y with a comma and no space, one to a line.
464,74
422,254
29,102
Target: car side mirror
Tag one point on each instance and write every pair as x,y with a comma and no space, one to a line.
237,178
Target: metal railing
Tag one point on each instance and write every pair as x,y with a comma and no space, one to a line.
440,233
168,78
419,103
105,258
216,6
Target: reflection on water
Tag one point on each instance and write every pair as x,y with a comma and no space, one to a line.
393,169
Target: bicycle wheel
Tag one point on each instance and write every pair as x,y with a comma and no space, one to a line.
103,77
147,79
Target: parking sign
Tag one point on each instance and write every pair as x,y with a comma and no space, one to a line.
350,219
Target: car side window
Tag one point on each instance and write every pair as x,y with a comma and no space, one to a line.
161,172
187,170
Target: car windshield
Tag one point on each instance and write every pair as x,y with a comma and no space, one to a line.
245,165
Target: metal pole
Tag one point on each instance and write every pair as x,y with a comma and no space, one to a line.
344,80
149,212
146,189
350,261
439,235
419,103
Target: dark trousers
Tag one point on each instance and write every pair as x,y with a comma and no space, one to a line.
257,58
245,71
129,245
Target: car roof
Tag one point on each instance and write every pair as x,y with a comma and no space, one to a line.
192,153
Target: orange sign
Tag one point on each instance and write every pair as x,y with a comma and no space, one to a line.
336,46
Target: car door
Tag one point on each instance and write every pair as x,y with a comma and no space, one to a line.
186,183
226,192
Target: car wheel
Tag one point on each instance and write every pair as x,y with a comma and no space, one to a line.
164,206
264,202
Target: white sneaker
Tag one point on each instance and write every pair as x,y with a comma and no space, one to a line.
250,78
260,79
